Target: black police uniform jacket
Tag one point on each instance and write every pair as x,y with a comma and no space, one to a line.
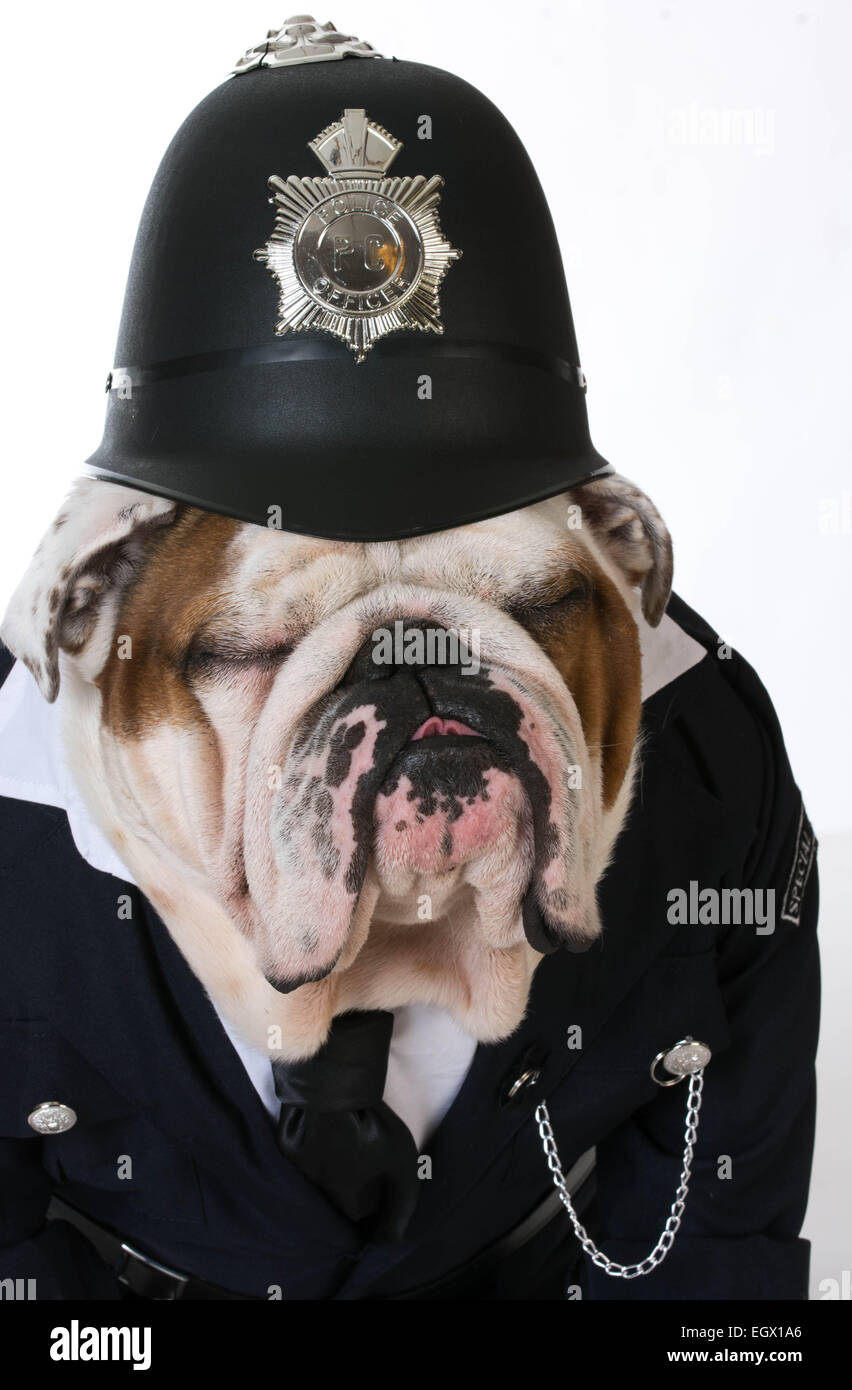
107,1017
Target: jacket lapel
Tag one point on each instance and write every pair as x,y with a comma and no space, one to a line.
168,1057
211,1077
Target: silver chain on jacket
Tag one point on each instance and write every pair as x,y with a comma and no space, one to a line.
670,1230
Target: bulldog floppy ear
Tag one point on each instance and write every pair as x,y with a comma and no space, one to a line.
91,552
633,534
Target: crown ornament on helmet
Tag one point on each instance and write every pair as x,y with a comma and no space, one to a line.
354,145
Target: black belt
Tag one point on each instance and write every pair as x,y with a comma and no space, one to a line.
148,1278
138,1272
476,1278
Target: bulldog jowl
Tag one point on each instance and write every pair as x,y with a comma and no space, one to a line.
452,782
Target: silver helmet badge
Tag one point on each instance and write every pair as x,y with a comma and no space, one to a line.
358,254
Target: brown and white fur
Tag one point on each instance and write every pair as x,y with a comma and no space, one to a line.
210,679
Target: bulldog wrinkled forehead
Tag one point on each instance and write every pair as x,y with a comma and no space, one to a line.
507,554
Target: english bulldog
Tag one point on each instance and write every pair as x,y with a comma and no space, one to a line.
323,828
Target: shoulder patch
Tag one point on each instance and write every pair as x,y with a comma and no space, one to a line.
803,858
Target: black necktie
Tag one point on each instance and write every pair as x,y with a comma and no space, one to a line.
336,1128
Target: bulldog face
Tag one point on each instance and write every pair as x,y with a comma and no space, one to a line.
353,775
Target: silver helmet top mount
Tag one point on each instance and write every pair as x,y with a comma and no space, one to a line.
302,40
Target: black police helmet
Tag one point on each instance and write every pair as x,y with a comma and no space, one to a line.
389,349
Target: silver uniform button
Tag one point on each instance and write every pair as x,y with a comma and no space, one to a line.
683,1059
52,1117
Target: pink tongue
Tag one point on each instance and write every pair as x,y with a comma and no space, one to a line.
435,726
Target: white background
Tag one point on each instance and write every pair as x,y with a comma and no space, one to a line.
697,161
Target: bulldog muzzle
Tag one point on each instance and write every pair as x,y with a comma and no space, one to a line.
428,762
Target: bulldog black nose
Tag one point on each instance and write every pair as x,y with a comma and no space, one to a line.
396,646
363,667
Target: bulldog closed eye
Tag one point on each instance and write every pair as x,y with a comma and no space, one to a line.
286,799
